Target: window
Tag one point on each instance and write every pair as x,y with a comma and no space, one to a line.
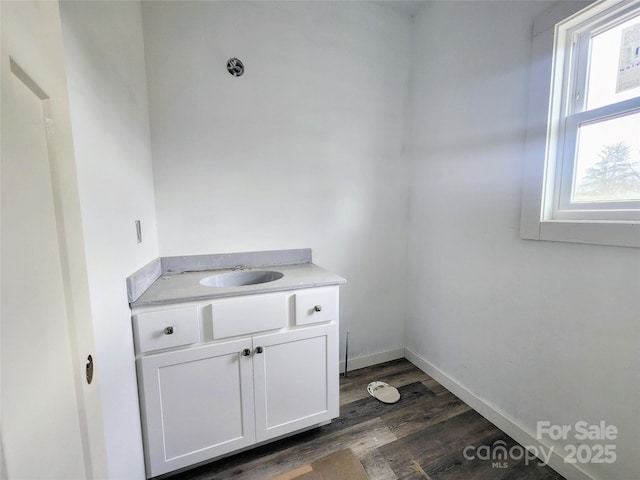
584,126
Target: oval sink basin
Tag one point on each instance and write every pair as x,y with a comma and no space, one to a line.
237,279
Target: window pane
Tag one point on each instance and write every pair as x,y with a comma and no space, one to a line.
607,164
614,69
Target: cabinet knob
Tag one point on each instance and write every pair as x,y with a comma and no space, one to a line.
317,308
259,350
168,330
246,352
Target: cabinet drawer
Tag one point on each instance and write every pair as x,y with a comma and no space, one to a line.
316,305
246,315
166,328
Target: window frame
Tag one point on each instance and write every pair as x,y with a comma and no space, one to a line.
540,218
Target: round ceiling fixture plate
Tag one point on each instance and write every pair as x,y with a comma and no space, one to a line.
235,67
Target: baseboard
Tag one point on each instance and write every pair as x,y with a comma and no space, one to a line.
497,417
372,359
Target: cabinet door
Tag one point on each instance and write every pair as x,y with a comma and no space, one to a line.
196,404
296,379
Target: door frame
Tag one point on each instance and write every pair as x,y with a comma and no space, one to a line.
32,50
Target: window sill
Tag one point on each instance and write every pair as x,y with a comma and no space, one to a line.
595,233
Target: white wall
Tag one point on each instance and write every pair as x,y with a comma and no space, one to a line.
537,330
108,101
303,150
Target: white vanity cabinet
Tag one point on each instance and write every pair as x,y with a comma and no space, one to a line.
256,368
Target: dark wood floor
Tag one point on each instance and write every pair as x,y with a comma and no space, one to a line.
423,436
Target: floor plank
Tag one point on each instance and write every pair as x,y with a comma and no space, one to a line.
429,410
423,436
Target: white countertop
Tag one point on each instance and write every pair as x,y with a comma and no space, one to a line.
185,287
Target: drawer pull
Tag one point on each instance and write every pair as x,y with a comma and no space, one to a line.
259,350
317,308
246,352
168,330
